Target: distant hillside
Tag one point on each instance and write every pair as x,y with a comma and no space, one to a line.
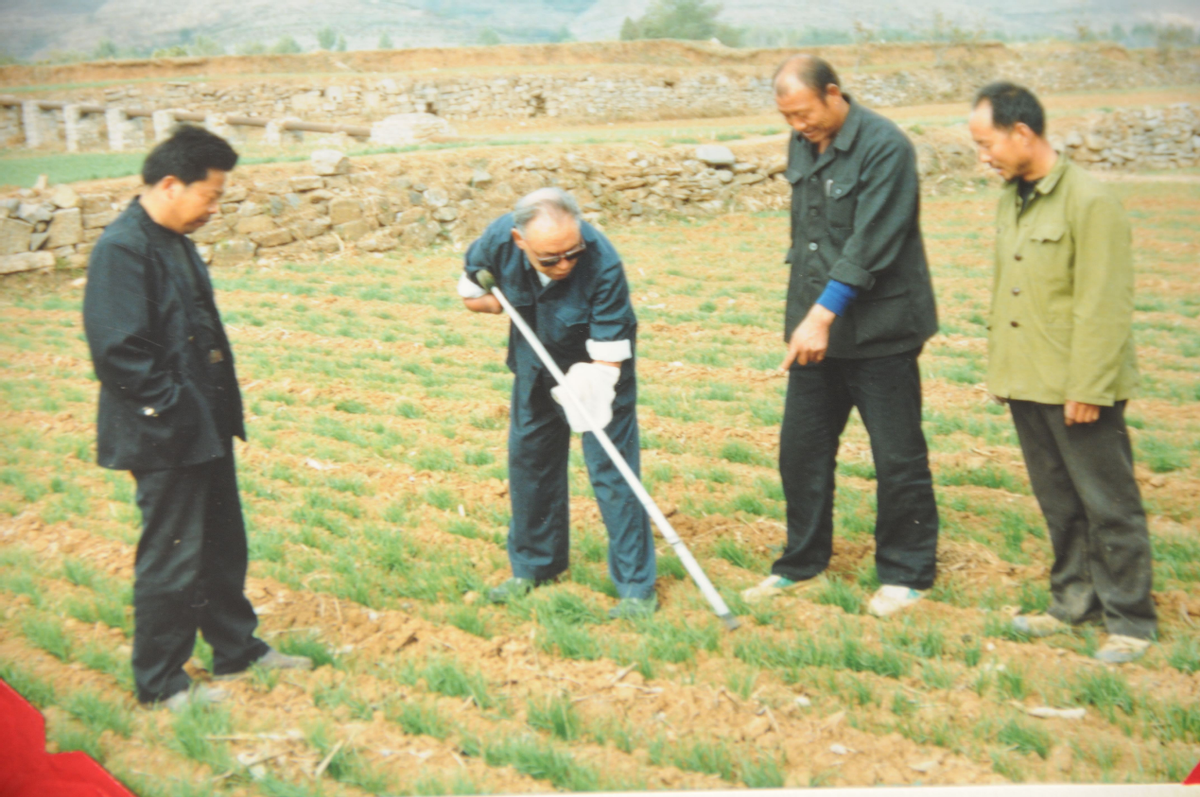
37,28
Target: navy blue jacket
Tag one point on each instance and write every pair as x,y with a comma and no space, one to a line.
592,303
162,404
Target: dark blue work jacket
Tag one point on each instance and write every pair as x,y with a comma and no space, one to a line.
592,303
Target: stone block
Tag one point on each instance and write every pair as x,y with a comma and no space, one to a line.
435,197
447,214
233,251
253,224
409,128
235,193
715,155
272,238
64,196
38,240
324,243
422,234
352,230
67,228
480,178
379,242
26,261
328,162
249,209
95,203
344,209
14,236
410,216
34,212
306,183
311,228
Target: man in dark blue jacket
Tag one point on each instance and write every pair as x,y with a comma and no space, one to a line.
566,280
169,409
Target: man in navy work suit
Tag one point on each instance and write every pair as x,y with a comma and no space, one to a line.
566,280
169,410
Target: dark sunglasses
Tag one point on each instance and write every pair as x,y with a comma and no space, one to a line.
551,261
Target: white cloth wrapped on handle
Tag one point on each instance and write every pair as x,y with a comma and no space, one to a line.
595,386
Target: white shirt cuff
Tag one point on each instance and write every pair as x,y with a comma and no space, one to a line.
468,289
609,351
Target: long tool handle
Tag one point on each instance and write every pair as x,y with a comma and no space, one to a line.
681,550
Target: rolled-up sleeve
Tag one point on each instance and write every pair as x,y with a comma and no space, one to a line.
888,194
612,325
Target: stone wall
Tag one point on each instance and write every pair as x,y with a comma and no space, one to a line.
1150,138
623,93
414,200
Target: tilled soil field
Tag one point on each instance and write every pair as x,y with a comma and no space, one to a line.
375,491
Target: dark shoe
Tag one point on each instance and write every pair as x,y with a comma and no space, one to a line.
271,660
513,588
634,608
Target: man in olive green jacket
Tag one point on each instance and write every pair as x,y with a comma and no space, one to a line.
1061,355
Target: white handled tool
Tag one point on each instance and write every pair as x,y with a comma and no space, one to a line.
488,283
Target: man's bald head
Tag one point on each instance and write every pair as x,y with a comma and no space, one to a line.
805,71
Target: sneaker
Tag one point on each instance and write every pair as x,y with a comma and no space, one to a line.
634,608
515,587
890,599
271,660
1039,625
197,695
1120,649
769,587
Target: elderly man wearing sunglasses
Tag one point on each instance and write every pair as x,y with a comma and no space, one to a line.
566,280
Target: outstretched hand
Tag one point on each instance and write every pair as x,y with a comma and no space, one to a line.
811,339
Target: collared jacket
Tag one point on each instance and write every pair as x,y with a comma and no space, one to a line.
164,403
856,219
1062,297
587,316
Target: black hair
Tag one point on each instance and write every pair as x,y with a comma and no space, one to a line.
188,155
811,71
1012,104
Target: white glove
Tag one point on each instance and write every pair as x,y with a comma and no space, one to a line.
595,386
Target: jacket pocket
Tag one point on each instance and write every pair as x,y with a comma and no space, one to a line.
883,318
1048,233
569,326
840,201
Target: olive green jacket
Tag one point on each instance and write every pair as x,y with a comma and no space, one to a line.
1062,300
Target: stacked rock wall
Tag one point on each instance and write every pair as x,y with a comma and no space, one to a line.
622,93
1150,138
413,200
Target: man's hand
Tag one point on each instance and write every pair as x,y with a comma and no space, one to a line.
484,304
1077,412
811,338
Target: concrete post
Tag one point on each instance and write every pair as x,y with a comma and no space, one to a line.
164,122
215,123
71,117
275,135
115,119
31,121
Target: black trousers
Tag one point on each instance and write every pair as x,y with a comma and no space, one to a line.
1082,476
887,393
190,574
539,440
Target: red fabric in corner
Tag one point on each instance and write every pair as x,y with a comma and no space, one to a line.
27,770
1194,778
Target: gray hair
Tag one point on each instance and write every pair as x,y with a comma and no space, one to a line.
545,200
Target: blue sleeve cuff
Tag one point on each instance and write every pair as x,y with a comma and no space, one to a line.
837,296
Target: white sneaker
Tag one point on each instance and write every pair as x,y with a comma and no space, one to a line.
197,695
890,599
769,587
1120,649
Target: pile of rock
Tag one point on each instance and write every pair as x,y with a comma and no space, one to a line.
1150,138
40,227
